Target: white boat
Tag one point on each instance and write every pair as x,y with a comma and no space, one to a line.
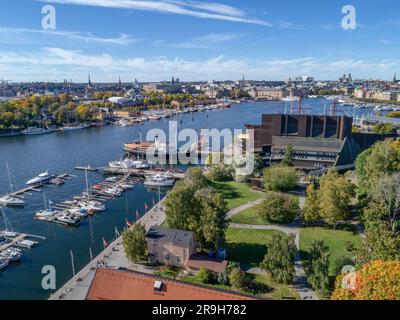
126,185
124,123
3,263
92,206
11,201
73,128
129,164
41,178
27,244
113,192
10,234
79,212
289,99
11,254
69,219
159,180
35,131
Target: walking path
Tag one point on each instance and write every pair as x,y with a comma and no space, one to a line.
112,257
300,281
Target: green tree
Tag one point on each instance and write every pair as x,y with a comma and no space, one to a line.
288,157
134,241
237,279
280,178
278,208
317,267
278,261
311,206
335,194
384,128
206,276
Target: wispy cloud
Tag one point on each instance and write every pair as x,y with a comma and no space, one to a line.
202,10
203,42
123,39
58,63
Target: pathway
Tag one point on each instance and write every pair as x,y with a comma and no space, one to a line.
112,257
300,281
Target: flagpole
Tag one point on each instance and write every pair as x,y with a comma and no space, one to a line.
72,262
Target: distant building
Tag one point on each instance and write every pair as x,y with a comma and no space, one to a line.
170,246
163,87
109,284
317,141
125,113
119,100
269,94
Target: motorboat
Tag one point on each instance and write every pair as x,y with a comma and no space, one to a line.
79,212
41,178
289,99
11,201
159,180
92,206
126,185
113,192
45,214
3,263
11,254
35,131
69,219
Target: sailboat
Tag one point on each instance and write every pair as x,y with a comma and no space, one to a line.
88,204
47,213
8,232
9,200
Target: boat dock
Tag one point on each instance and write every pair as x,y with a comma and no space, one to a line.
36,188
142,173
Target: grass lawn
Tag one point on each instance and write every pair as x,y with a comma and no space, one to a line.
235,193
250,216
334,239
247,246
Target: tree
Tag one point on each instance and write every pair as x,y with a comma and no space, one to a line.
381,159
384,128
221,172
287,160
384,204
237,278
278,261
201,210
334,195
378,280
280,178
378,243
317,267
134,241
311,206
339,262
206,276
278,208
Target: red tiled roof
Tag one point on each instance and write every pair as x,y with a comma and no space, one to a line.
111,284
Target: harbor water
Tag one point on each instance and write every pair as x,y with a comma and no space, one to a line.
61,152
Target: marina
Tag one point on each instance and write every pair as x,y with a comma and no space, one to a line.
60,152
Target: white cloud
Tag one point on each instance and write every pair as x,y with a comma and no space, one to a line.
202,42
202,10
123,39
58,63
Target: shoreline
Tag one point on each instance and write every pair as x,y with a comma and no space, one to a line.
112,256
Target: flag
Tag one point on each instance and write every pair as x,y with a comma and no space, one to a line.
105,243
146,207
116,233
154,202
128,224
137,215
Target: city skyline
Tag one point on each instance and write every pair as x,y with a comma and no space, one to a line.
196,41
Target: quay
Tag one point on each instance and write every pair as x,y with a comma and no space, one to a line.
113,257
141,173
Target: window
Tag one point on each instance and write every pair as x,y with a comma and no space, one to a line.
166,256
178,259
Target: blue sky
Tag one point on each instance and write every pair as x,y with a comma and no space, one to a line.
197,40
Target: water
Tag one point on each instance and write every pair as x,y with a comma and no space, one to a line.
61,152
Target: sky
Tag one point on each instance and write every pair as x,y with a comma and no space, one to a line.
193,40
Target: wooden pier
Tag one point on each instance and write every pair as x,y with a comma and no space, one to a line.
141,173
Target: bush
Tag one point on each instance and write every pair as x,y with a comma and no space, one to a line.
220,173
280,178
237,279
206,276
278,208
339,262
223,278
